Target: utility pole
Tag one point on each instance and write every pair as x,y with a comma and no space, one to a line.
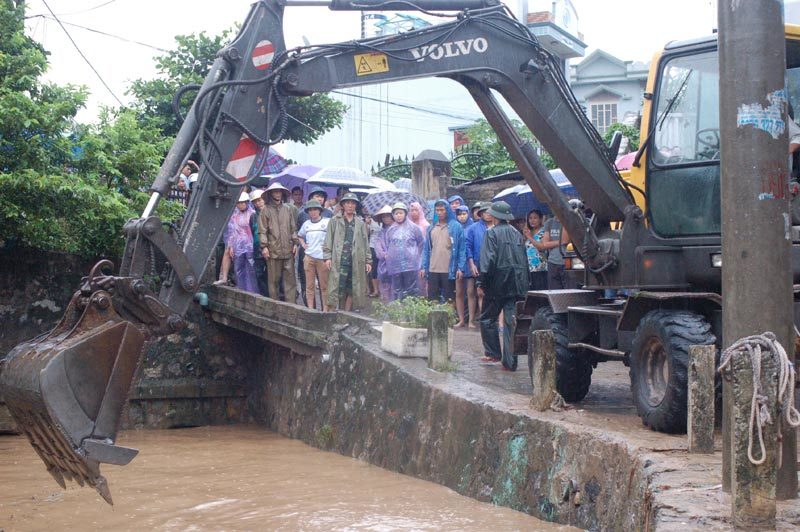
756,221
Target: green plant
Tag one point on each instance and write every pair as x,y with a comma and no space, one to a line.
325,436
448,367
629,132
412,312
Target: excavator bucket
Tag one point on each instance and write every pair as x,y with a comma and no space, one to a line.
67,389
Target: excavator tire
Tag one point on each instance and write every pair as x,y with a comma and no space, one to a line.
659,361
573,369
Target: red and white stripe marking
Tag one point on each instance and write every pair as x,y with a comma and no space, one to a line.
263,54
242,158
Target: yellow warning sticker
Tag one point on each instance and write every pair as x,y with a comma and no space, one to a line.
371,63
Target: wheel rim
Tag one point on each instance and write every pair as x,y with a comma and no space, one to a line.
656,371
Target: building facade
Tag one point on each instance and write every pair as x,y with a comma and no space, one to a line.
609,89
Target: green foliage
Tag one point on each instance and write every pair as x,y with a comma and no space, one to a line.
62,213
629,132
313,116
448,367
34,117
325,436
412,312
493,158
119,152
189,63
63,186
66,213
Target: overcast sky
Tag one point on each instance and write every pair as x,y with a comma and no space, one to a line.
628,29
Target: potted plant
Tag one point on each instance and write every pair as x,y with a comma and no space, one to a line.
405,326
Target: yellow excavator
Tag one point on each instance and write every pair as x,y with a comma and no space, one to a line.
645,234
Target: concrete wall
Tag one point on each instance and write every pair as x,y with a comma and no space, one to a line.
363,404
485,189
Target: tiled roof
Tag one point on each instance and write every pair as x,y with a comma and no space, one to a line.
540,16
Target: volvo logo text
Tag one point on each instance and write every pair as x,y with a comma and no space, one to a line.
450,49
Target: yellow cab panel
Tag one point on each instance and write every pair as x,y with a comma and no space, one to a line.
682,156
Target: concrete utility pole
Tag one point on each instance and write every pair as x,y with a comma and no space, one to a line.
756,224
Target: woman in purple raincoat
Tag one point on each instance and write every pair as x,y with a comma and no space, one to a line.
404,242
383,217
240,243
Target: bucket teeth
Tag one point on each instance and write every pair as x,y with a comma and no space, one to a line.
101,486
56,474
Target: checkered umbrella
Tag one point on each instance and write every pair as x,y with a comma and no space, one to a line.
376,200
267,162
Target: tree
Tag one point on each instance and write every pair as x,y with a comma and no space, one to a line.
63,186
119,152
190,61
34,117
493,158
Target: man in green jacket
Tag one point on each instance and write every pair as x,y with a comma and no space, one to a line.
347,257
503,280
277,236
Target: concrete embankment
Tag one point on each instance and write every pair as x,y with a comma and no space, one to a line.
439,427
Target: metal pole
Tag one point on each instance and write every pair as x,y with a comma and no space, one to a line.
756,225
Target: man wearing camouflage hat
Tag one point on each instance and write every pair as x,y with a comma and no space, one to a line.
347,257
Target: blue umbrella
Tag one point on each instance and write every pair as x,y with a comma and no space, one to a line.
522,199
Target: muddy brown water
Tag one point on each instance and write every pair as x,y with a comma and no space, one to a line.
237,478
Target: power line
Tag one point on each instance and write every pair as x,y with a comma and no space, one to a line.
406,106
79,12
81,54
318,132
105,33
90,8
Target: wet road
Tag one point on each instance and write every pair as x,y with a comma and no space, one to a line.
237,478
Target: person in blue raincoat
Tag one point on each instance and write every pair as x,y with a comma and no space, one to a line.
457,201
444,256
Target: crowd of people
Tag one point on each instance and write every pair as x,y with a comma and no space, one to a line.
480,259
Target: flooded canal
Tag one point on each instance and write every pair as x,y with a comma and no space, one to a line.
237,478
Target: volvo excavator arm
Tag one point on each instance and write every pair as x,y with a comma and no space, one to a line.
67,389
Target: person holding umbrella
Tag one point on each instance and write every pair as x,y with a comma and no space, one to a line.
502,281
347,256
404,243
384,217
